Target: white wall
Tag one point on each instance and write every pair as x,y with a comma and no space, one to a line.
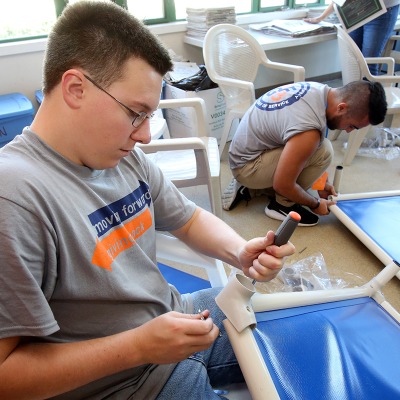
21,73
21,64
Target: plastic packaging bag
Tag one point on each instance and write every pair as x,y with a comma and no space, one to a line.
197,82
383,143
308,274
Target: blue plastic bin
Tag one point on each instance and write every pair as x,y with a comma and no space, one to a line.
16,112
39,96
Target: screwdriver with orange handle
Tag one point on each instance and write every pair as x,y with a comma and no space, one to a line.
285,230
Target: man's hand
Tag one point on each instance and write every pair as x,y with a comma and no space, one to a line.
261,259
312,20
328,190
173,337
323,208
324,205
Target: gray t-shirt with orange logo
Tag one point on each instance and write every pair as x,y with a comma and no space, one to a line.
78,255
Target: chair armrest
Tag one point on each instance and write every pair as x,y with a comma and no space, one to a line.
172,249
297,70
389,46
389,61
394,37
208,144
388,79
239,84
236,82
232,83
199,107
191,143
202,171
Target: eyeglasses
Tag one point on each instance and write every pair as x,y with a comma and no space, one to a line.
137,118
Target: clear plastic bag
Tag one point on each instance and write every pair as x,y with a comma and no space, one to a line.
383,143
308,274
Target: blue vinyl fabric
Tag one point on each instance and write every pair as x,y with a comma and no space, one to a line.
345,350
184,282
379,218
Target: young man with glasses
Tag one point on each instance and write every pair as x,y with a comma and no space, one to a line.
85,311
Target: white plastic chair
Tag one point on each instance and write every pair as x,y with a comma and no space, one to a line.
232,57
355,67
191,161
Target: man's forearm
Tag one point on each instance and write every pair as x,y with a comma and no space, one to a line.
298,195
38,371
211,236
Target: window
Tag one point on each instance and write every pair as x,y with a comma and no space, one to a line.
308,3
147,10
22,19
266,5
26,18
274,4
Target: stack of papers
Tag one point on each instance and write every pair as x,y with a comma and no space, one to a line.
293,28
200,20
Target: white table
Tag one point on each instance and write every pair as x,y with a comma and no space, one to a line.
271,42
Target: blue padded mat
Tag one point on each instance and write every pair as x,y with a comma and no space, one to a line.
184,282
346,350
379,218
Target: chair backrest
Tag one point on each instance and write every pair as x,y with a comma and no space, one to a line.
232,57
354,66
229,52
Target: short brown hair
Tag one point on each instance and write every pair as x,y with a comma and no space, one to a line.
99,37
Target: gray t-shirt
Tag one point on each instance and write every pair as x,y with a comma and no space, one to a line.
277,116
78,254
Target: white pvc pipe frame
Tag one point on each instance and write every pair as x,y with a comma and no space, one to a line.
250,359
356,230
248,354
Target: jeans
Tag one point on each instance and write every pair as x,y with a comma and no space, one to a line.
372,37
195,377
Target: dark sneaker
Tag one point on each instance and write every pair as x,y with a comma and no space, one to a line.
234,194
275,210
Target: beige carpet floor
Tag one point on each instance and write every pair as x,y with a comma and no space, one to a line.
347,260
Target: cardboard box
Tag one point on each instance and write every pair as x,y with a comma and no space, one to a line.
182,121
16,112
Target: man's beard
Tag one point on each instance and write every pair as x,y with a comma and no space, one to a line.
333,123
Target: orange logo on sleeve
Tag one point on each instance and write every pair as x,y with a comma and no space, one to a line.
278,96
